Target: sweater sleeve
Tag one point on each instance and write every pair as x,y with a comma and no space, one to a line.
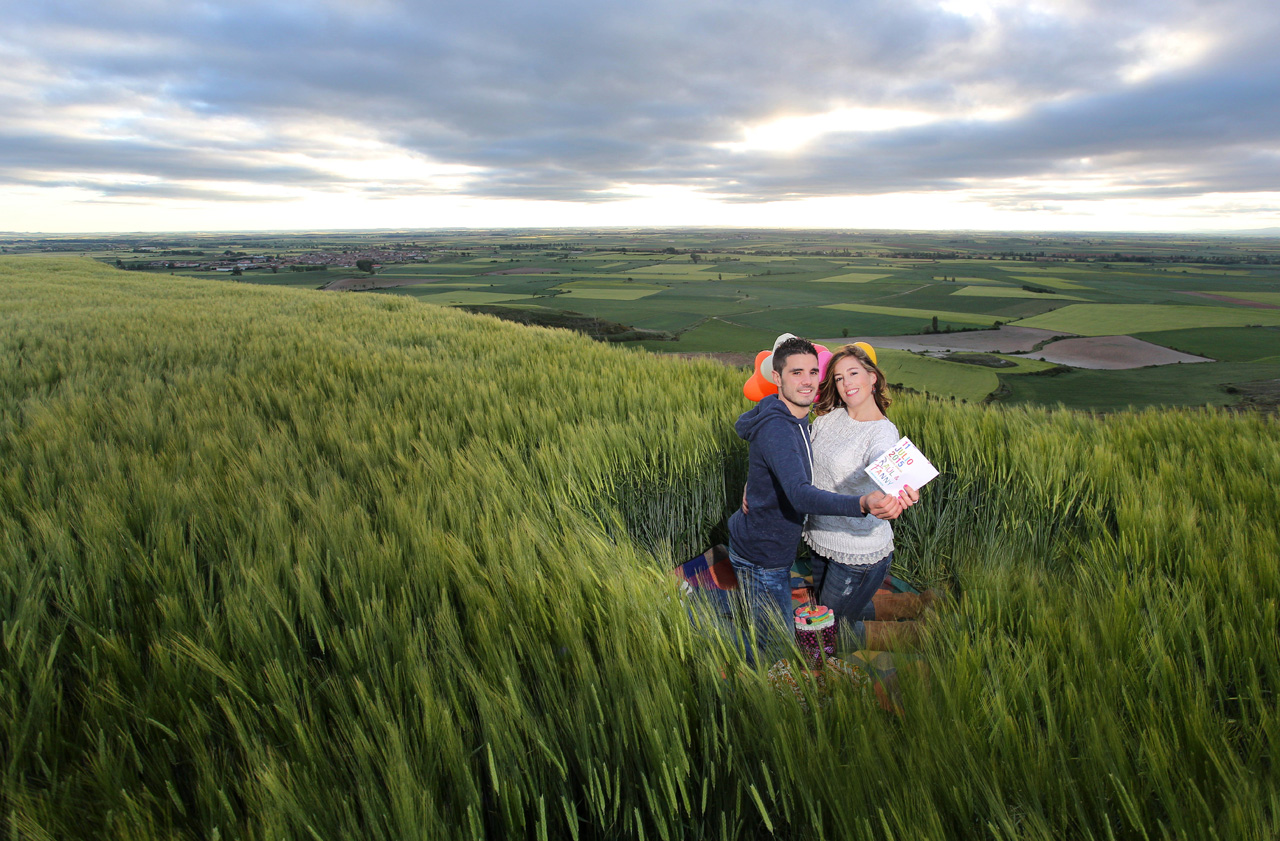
787,464
882,440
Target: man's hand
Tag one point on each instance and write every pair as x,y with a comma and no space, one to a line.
744,500
879,504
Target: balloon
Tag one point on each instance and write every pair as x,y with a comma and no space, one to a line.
767,366
760,358
758,385
871,352
754,389
824,359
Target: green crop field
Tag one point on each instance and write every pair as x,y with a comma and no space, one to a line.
1231,344
281,563
1011,292
600,293
1053,282
757,282
1116,319
851,277
938,377
461,296
1272,298
942,316
1167,385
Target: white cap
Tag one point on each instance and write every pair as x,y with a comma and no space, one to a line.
767,365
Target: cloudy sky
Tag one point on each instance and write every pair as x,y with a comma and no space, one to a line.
1028,114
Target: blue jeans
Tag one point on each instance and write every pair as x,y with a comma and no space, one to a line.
847,590
764,605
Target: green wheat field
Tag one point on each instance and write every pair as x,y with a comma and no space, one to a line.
277,564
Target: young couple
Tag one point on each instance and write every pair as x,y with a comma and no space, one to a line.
791,475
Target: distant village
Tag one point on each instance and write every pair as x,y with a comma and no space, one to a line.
237,262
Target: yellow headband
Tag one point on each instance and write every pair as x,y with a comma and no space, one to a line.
869,350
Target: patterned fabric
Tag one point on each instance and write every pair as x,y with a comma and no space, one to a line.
783,677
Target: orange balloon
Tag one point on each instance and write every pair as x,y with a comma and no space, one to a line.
758,386
760,358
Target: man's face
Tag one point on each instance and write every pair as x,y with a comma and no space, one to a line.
798,382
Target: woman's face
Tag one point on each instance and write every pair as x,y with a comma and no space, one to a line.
854,384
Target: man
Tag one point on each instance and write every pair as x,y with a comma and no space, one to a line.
764,535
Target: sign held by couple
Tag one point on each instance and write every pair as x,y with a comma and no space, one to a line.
903,464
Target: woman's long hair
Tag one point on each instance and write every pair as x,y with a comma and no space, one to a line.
829,398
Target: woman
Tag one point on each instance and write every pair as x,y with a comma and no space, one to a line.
852,555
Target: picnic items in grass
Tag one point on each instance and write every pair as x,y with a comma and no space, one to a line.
815,633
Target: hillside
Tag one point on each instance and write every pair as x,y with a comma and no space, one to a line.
280,563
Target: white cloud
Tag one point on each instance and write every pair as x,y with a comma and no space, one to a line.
688,111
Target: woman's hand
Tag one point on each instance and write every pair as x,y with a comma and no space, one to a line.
908,496
881,505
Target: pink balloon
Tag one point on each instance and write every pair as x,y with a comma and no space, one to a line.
824,359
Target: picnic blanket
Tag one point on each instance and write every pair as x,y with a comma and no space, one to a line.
712,571
710,576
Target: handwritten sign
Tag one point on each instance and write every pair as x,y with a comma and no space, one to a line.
903,464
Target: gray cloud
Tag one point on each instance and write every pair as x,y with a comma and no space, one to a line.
570,100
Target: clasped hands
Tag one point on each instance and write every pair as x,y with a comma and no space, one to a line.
885,507
877,503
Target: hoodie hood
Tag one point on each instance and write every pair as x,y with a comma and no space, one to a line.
767,411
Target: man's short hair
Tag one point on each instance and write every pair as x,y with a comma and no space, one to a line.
790,348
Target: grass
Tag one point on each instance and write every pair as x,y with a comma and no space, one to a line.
279,563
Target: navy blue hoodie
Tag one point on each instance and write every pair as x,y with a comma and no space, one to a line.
780,487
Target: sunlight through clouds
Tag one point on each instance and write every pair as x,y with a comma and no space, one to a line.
786,134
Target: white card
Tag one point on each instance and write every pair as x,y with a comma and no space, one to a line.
904,464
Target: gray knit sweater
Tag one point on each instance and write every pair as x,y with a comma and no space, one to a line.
842,448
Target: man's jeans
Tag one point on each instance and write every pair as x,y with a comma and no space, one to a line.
848,590
764,607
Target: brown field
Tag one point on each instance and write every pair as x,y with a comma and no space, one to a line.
1229,300
1111,353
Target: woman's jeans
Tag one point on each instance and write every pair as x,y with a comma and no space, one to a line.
848,590
764,607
